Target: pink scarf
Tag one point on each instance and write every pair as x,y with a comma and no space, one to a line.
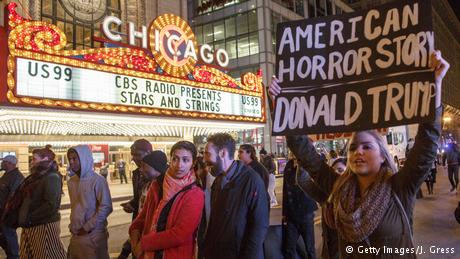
171,186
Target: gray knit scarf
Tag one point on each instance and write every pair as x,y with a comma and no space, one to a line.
356,219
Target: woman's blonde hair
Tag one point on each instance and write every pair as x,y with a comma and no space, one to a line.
387,166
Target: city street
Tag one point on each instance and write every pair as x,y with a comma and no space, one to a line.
434,224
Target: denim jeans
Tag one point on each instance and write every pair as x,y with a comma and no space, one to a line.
9,242
296,228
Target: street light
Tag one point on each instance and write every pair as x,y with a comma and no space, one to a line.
447,119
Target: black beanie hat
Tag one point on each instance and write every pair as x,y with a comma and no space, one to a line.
157,160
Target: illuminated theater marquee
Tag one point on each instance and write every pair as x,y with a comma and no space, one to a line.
164,79
48,80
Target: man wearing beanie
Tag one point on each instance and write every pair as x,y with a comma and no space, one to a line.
139,149
153,168
154,165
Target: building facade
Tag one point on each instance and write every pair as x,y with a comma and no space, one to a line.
247,29
111,129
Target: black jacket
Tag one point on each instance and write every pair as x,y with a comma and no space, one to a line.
43,203
239,217
452,156
393,230
269,163
9,182
261,170
138,185
296,203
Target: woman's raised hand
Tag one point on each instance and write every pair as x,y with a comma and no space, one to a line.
274,88
440,67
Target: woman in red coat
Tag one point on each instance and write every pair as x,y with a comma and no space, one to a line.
166,226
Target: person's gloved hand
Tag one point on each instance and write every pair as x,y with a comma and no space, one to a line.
127,207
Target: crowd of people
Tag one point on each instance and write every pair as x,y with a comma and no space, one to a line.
214,199
210,205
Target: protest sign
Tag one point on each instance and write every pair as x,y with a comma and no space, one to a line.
357,71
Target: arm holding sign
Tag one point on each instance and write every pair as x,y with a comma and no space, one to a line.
303,149
422,155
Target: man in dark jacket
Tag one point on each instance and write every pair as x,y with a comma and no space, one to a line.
247,154
139,149
9,182
239,208
269,164
298,213
452,156
267,161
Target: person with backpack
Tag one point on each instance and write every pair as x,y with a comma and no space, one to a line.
167,225
298,213
9,183
452,157
269,163
35,208
139,149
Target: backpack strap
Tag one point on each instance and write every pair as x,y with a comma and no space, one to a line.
163,218
404,215
406,219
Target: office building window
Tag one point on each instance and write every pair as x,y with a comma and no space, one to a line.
311,8
237,73
207,6
276,18
219,30
238,34
254,43
230,28
338,10
293,5
321,8
208,33
298,5
243,46
78,26
242,23
230,46
318,8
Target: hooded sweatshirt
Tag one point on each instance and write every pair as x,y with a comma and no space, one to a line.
89,194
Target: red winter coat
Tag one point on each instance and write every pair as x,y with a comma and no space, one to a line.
178,240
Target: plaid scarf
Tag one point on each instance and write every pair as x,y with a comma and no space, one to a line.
356,219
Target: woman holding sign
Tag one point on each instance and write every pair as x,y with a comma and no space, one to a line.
373,202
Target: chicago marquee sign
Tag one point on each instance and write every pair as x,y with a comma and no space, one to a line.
163,78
